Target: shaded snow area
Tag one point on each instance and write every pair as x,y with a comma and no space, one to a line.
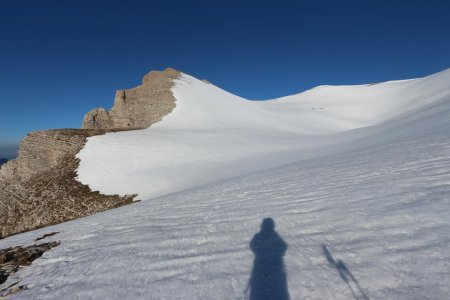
265,200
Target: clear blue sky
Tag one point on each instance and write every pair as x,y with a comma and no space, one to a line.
60,58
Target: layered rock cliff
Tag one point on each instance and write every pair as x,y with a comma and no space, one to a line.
138,107
39,188
40,151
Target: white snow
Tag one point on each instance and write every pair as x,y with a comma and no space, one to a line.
212,134
367,177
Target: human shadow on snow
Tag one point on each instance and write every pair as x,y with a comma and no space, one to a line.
345,274
268,279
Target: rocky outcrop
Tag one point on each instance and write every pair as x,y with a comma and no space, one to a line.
39,188
138,107
14,259
11,259
42,150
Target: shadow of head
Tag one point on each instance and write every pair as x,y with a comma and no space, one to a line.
268,224
268,278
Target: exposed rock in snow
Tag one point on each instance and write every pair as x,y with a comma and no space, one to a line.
138,107
39,188
14,258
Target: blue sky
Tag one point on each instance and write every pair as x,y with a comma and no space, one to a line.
59,59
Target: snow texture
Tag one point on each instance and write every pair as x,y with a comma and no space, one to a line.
212,134
337,193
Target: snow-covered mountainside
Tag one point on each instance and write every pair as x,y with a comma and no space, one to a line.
212,134
354,179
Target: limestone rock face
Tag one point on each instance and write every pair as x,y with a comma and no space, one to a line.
98,118
138,107
41,150
39,188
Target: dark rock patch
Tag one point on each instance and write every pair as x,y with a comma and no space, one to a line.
11,259
46,235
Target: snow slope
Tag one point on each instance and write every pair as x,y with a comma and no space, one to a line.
383,211
362,207
213,135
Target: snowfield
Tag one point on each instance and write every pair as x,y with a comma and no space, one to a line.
355,178
213,135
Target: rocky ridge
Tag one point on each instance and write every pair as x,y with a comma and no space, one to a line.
39,188
132,108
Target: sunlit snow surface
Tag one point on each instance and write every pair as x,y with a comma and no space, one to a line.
365,213
212,134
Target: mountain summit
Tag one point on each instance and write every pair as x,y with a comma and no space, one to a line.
138,107
211,134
